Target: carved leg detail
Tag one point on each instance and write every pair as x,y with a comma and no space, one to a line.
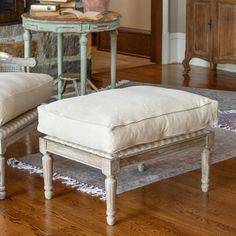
2,177
47,174
213,66
186,65
141,167
206,154
110,184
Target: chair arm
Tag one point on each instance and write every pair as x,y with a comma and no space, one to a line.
7,58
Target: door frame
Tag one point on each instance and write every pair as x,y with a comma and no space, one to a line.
160,23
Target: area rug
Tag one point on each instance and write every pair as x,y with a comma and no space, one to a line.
89,180
227,120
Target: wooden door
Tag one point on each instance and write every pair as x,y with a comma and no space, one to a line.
225,31
156,31
199,29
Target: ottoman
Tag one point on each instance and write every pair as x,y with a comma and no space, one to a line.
20,94
114,129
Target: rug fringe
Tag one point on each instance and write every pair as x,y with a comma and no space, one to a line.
119,83
81,187
225,127
228,112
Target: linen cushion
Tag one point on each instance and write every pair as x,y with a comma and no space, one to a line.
20,92
114,120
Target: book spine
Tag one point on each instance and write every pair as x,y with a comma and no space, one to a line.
43,7
67,4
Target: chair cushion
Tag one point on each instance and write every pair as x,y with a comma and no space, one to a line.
20,92
114,120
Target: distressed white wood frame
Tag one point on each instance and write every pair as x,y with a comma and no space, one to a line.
110,167
9,139
21,125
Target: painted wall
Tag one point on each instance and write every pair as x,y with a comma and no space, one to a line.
135,13
177,18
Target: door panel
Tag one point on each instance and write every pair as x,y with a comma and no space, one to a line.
225,31
199,28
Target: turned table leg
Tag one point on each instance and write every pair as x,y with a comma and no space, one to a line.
27,42
59,63
113,37
83,62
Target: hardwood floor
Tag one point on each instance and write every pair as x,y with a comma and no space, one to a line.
175,206
172,74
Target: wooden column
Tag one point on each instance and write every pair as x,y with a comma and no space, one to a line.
156,31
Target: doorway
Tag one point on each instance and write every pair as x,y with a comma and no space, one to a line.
160,31
151,44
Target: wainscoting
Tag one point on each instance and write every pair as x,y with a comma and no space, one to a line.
133,42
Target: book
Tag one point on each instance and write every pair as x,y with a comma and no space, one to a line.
89,15
44,7
44,13
58,1
71,4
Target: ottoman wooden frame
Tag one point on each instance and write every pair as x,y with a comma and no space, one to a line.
110,164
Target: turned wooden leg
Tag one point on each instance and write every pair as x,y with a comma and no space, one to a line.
47,174
110,185
76,87
63,89
28,144
2,177
206,155
141,167
186,65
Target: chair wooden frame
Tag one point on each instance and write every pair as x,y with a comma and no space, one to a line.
21,125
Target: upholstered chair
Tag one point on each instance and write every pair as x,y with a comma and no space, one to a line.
20,94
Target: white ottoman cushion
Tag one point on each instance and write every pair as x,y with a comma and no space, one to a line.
20,92
114,120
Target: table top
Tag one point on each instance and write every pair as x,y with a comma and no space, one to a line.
71,19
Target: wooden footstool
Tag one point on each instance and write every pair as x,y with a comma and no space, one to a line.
114,129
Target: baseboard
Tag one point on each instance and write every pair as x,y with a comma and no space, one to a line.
177,47
177,51
133,42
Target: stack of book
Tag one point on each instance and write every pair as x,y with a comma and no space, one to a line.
61,3
50,7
